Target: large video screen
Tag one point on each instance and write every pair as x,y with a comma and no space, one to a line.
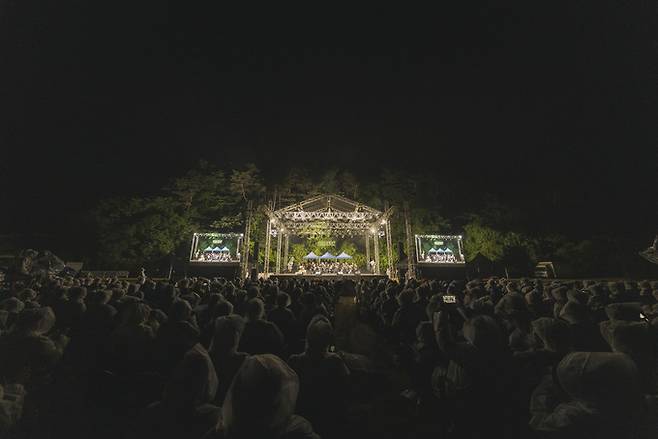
439,249
216,247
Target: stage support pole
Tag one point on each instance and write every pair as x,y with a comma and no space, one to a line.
411,272
368,249
279,237
268,245
389,251
246,240
286,246
376,239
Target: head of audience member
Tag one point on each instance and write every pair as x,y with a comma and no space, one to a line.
255,310
261,401
319,335
228,330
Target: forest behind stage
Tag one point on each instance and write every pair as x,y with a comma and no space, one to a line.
153,229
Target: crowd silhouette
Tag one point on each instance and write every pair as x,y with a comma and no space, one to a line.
299,358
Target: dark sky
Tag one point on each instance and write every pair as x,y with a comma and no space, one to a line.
113,98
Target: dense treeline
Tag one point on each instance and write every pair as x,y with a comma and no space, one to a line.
148,229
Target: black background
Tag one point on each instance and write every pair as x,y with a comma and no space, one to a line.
114,98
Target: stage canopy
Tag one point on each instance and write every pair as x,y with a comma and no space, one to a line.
328,215
343,255
327,255
311,256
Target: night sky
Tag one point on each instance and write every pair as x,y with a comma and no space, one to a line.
114,98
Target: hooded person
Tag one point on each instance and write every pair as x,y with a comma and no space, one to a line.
99,317
260,336
585,333
323,377
604,398
27,355
479,375
176,336
637,340
283,317
73,310
553,342
224,351
186,408
131,343
13,307
407,317
261,403
536,304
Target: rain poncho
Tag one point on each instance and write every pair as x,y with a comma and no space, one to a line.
605,398
27,354
323,376
185,409
223,351
261,402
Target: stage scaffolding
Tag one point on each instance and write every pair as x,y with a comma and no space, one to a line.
328,215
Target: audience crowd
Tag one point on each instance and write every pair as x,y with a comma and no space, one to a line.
213,358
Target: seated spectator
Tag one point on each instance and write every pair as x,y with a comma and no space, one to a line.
603,398
323,378
186,408
406,317
584,332
13,307
479,378
73,310
283,317
260,336
261,403
625,333
175,336
27,354
130,344
311,306
224,351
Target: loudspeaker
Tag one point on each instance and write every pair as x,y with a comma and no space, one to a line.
401,255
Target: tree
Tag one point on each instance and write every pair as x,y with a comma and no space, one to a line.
138,231
483,239
247,183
